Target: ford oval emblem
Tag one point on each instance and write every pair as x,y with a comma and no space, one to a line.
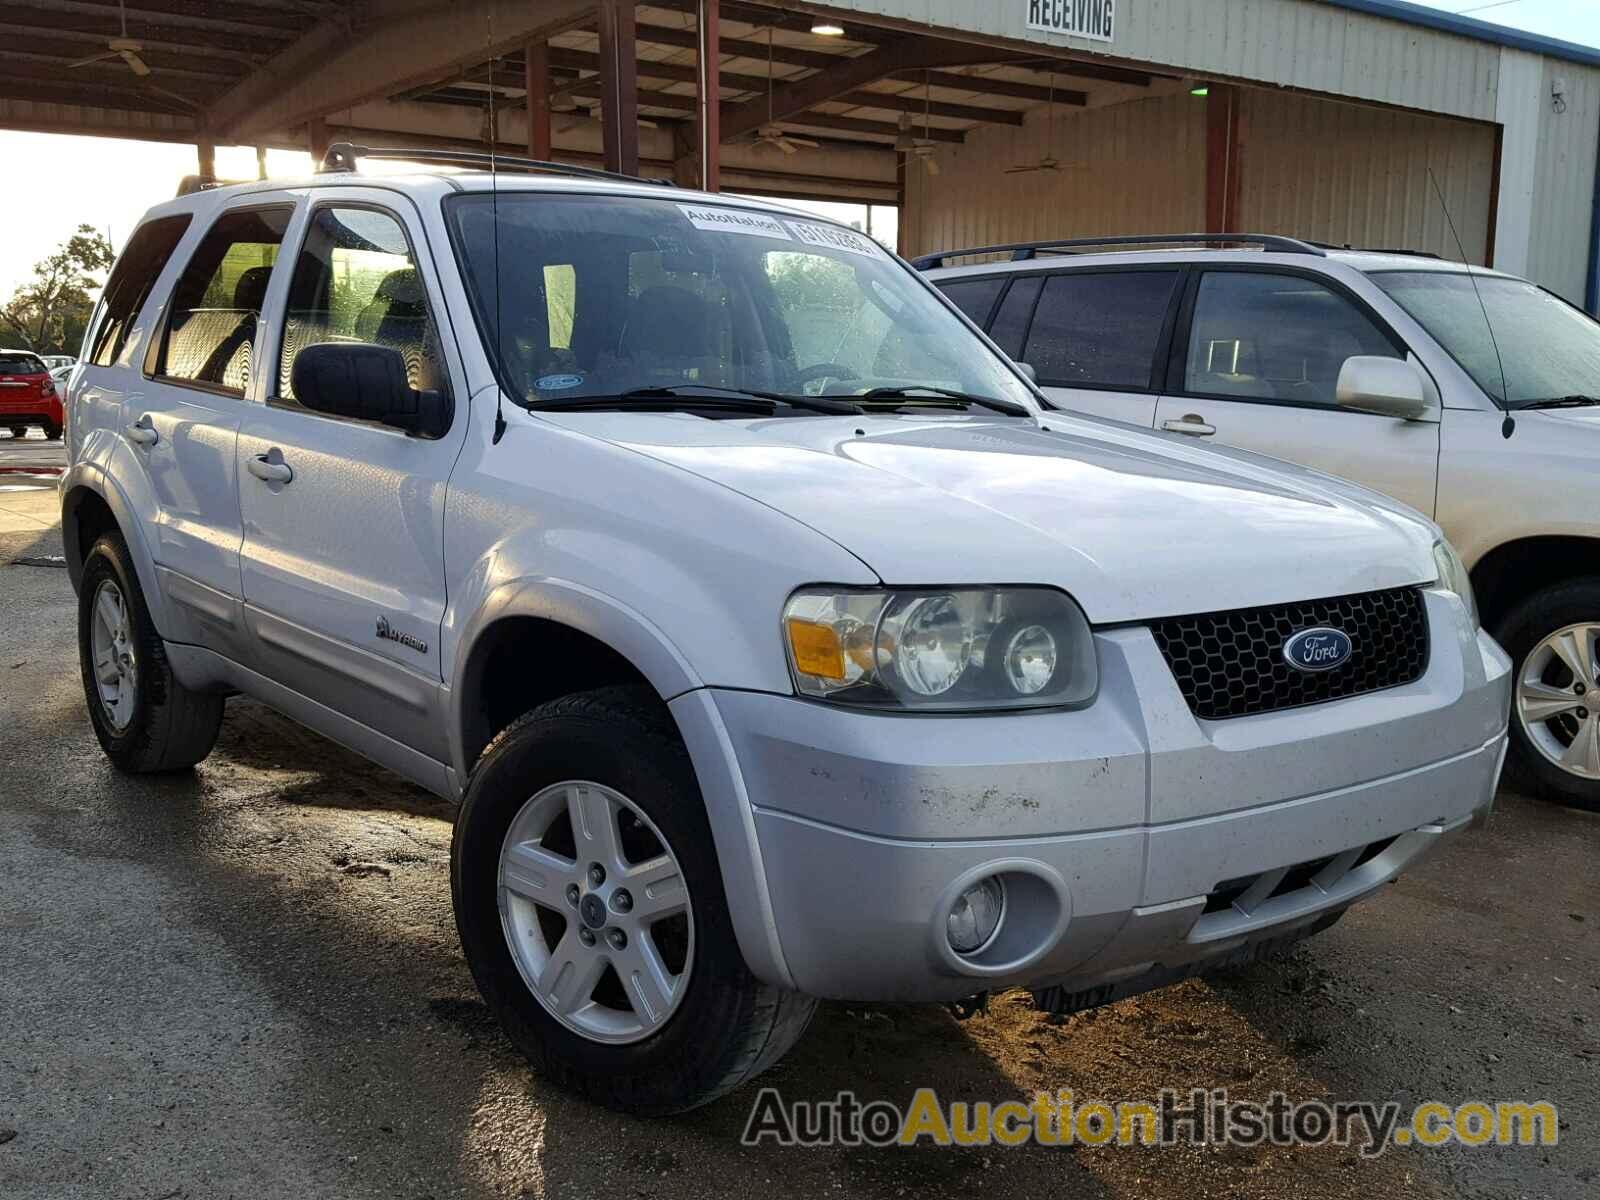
1319,649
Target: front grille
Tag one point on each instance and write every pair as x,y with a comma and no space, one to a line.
1231,664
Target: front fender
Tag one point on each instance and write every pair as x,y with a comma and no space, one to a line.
574,606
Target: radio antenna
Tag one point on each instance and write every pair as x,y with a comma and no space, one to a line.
1508,427
494,214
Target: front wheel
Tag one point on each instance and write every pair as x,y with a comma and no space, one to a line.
18,432
1553,638
145,719
52,433
591,911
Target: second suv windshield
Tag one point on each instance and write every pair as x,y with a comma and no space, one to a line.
596,296
1551,350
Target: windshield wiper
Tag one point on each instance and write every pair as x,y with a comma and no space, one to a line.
1560,402
703,396
942,397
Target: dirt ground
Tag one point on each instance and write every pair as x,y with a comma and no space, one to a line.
245,982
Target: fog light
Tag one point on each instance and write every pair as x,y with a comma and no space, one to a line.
976,915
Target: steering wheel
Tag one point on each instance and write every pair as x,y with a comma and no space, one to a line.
820,372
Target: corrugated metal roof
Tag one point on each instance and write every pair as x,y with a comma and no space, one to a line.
1483,31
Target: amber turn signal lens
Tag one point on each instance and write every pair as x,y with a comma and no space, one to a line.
816,649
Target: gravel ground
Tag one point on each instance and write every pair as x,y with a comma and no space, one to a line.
245,982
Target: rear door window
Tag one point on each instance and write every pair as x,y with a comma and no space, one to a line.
141,261
216,306
975,297
1011,323
1100,330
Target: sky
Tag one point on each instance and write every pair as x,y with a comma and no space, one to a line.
109,184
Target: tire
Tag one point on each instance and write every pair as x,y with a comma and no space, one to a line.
1524,633
18,432
727,1025
52,433
159,725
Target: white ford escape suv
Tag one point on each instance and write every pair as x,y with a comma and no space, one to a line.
1474,398
776,642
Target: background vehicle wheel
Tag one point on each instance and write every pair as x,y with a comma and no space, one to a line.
52,433
1553,638
591,910
19,432
145,719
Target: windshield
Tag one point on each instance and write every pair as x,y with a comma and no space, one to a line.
604,296
1551,350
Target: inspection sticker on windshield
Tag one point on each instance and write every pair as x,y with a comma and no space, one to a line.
834,237
734,220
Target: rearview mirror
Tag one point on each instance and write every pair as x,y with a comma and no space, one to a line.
1386,387
367,383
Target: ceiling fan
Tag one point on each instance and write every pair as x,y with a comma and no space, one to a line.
130,52
921,149
769,136
1047,161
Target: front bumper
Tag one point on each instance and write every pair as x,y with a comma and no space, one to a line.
1130,835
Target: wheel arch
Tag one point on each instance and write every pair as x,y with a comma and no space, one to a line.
1517,569
91,506
534,640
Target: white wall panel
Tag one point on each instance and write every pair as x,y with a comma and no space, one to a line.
1349,173
1563,206
1134,167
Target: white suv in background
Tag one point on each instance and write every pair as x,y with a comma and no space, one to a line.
773,645
1377,366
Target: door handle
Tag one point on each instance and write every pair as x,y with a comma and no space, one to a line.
141,434
1192,424
269,469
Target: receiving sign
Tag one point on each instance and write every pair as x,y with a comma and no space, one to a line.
1075,18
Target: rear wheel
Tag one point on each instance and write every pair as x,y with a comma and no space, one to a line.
1553,638
145,719
591,910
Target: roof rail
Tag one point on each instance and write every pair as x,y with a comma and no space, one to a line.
1023,251
342,157
1376,250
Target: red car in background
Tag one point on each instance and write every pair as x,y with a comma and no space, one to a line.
28,395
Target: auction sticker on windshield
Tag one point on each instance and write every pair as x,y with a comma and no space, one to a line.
734,220
834,237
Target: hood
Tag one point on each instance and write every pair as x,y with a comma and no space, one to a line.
1134,525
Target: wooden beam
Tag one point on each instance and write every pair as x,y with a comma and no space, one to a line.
708,93
206,152
619,100
317,140
816,120
993,87
788,99
913,102
536,82
1077,68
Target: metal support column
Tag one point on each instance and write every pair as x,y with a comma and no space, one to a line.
709,95
619,88
536,79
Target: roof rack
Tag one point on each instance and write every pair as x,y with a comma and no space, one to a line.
1023,251
342,158
1377,250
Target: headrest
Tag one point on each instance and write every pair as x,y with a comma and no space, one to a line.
251,290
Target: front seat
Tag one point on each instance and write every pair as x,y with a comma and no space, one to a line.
668,335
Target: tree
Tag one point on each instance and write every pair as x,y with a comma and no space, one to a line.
49,313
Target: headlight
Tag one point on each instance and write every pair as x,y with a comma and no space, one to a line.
967,648
1453,577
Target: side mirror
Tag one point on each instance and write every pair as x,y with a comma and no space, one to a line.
367,383
1029,372
1386,387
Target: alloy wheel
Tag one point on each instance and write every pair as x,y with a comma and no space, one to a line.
115,662
1558,699
596,912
